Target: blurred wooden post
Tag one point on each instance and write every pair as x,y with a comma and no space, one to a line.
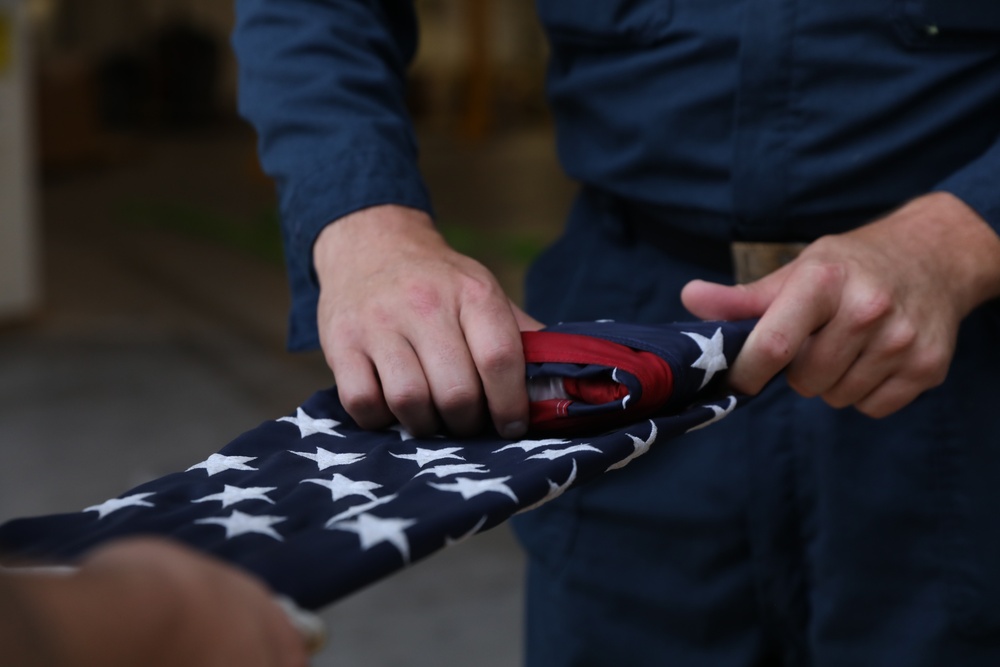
19,274
477,116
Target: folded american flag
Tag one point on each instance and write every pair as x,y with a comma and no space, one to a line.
318,508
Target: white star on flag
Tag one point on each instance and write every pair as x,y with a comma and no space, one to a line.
308,425
453,469
343,487
217,463
424,456
359,509
641,447
452,541
552,454
324,458
529,445
712,359
555,490
234,494
372,530
470,488
109,506
238,523
719,413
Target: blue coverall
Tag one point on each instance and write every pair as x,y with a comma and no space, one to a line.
790,533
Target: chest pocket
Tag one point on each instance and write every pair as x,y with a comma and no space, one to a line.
605,23
950,23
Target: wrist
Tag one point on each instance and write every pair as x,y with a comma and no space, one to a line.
951,245
969,246
370,230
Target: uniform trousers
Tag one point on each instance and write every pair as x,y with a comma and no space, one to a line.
789,533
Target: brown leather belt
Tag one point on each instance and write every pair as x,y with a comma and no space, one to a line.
752,261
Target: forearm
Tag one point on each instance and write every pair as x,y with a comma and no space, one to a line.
323,83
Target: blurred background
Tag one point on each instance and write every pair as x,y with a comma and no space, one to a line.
142,296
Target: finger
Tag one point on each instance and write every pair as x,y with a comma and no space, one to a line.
289,636
453,381
822,363
404,386
909,366
806,301
309,626
713,301
889,397
494,337
861,322
359,390
864,376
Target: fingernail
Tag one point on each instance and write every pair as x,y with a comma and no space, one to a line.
514,430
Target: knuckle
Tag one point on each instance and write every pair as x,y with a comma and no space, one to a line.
406,398
824,274
476,289
931,366
459,399
900,338
872,307
366,408
421,298
775,346
499,358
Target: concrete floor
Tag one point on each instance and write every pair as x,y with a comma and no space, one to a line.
155,348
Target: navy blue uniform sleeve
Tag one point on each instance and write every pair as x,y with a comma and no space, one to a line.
978,185
323,83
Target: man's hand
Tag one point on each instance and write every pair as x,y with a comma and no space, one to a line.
868,318
415,332
148,602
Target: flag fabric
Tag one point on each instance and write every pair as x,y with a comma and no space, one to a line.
318,508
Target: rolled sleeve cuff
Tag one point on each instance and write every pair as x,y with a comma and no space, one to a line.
978,185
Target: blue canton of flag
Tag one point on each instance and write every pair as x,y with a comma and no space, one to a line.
317,507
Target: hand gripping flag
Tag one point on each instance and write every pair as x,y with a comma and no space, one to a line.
318,508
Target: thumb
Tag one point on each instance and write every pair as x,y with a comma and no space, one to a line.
713,301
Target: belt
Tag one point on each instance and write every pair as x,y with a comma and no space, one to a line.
754,260
745,261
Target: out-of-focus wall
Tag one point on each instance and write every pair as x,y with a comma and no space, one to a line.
114,69
19,275
478,57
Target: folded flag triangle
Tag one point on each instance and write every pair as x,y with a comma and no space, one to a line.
318,508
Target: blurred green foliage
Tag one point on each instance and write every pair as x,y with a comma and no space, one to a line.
259,235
